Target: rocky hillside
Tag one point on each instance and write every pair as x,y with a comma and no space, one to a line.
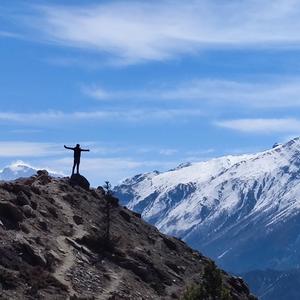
243,211
59,239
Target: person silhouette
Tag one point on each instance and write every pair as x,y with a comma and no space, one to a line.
77,154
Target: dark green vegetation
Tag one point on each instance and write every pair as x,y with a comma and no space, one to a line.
212,286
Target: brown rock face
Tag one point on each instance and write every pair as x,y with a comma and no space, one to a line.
65,241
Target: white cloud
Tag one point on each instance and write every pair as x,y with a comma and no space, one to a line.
134,115
24,131
261,125
275,92
96,92
168,152
8,34
31,117
134,31
99,93
28,149
201,152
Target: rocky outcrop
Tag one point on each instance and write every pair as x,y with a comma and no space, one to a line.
79,180
60,240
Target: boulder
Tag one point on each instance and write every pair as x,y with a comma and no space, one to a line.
52,211
78,220
24,228
79,180
43,177
28,211
10,215
31,254
33,204
22,199
100,190
43,224
42,172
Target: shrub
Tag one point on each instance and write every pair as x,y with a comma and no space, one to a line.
211,288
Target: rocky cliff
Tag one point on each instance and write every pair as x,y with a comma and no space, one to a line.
59,239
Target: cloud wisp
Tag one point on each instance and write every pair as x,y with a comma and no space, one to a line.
28,149
124,115
8,34
135,31
273,93
262,126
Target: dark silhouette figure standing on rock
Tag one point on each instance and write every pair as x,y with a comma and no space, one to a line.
77,154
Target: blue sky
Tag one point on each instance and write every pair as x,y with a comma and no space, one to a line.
146,84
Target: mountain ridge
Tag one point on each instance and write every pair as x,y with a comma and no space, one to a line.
232,208
61,240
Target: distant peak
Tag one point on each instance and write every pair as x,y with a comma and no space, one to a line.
17,165
181,166
276,145
19,169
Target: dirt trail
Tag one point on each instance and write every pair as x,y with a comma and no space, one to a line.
66,248
69,257
115,281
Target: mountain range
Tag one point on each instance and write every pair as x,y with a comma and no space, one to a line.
243,211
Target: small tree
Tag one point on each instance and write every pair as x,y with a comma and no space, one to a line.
107,189
211,288
108,195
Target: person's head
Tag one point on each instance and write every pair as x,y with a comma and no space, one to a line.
77,146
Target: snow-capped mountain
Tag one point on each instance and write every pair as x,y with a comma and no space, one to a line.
20,169
244,211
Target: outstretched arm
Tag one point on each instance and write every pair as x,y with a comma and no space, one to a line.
85,150
70,148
